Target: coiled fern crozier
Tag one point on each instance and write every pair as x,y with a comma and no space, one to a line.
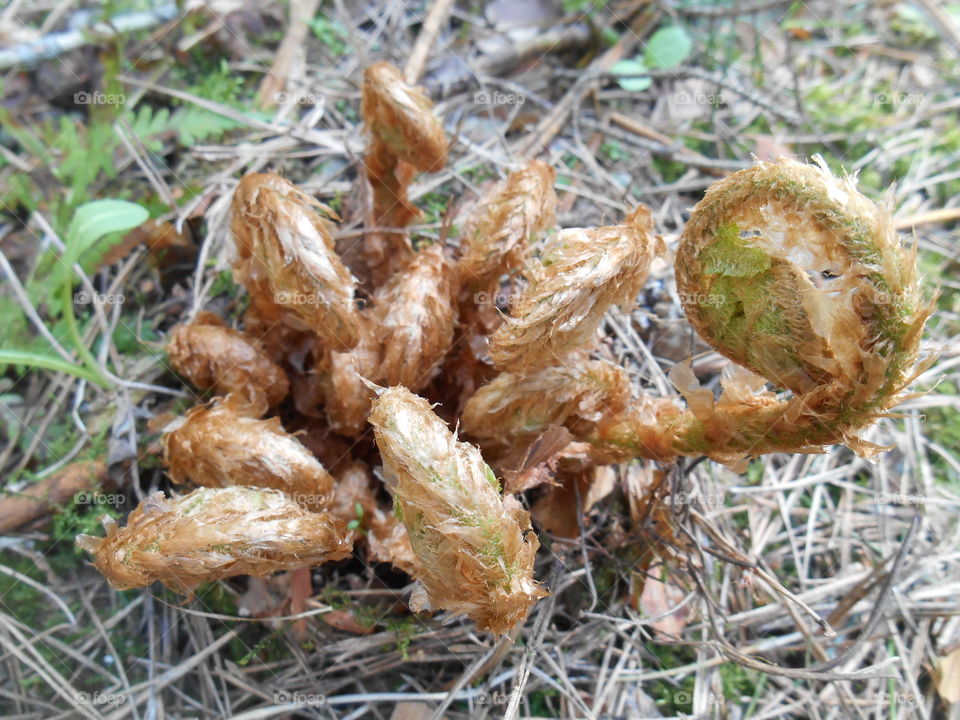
798,278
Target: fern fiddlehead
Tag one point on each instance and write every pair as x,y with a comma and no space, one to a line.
793,274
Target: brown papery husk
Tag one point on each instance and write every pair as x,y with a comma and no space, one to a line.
509,216
467,366
475,548
389,542
265,324
344,377
414,315
218,358
286,257
217,446
576,394
214,533
580,274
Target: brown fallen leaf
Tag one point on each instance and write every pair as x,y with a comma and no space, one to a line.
164,243
658,597
556,510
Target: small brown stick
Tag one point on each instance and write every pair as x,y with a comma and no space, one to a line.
289,54
41,498
638,128
549,126
439,12
941,215
760,572
824,670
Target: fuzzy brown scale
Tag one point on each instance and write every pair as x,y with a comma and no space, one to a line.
474,550
495,235
287,260
210,534
218,358
579,275
217,446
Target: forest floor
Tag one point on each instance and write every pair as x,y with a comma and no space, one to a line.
630,101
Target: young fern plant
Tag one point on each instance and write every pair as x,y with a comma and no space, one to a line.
90,224
783,268
797,277
475,547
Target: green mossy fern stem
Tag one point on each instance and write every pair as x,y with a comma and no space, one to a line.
791,273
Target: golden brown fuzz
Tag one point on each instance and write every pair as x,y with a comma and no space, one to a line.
286,258
474,547
218,447
218,358
213,533
580,274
